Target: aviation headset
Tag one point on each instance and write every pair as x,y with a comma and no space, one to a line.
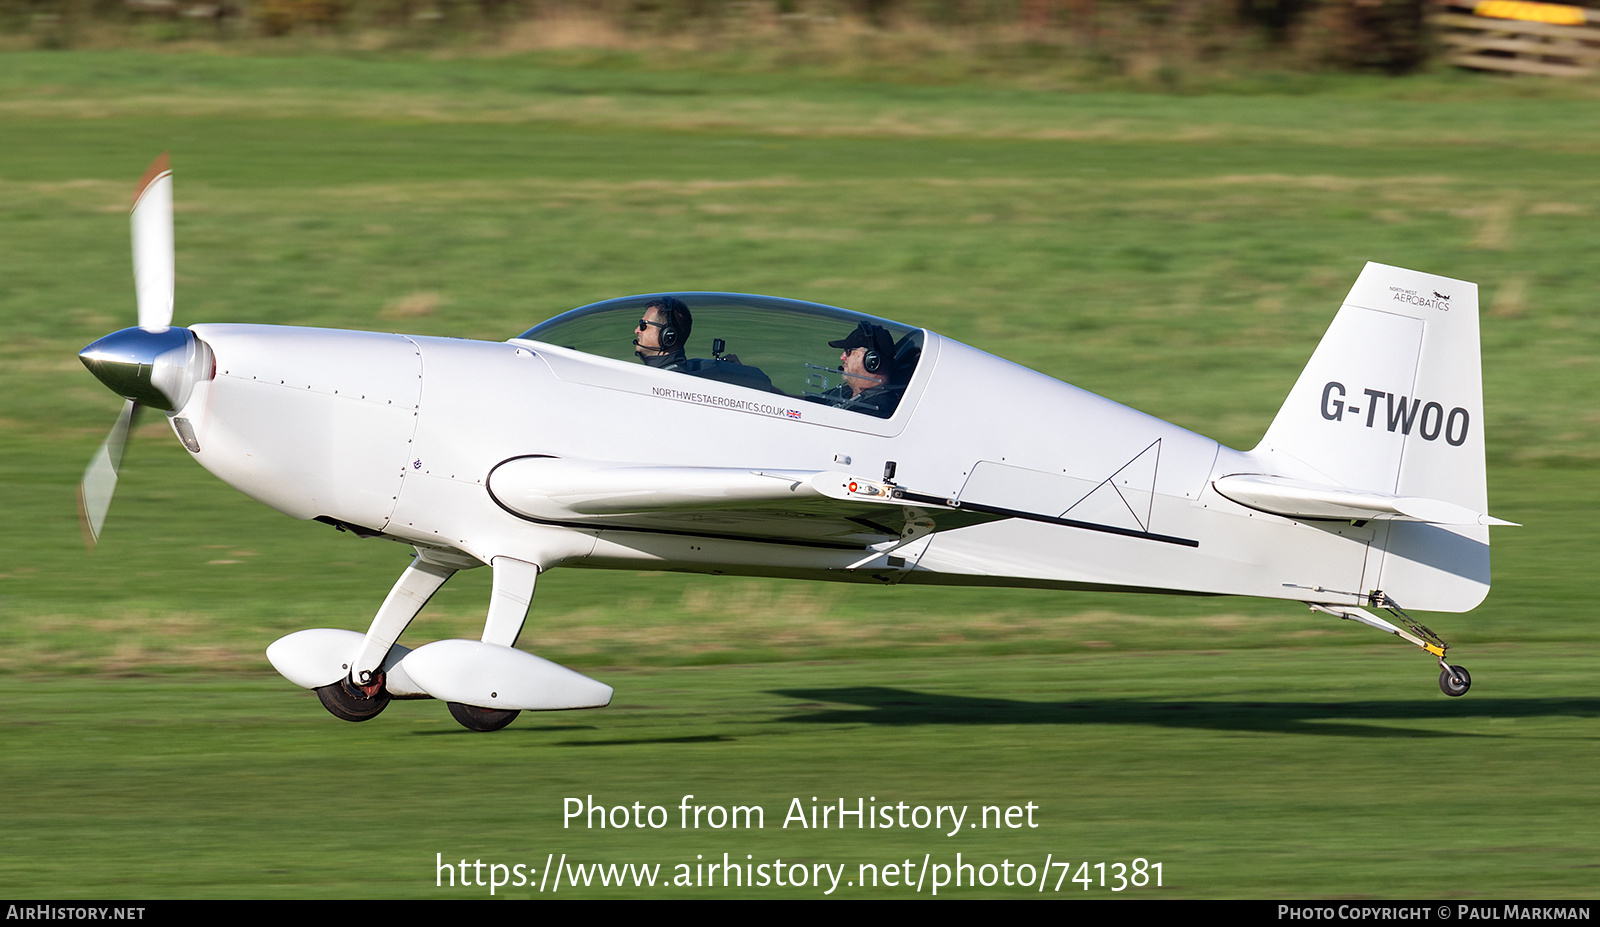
872,361
671,338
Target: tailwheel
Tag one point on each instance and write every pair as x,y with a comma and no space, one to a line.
482,720
1455,681
348,702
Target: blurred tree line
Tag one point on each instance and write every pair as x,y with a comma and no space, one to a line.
1381,35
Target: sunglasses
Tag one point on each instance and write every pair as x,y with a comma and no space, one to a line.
644,322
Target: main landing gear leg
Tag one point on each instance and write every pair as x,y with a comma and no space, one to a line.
1454,681
360,694
514,582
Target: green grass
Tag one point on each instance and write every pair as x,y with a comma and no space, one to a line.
1270,773
1179,254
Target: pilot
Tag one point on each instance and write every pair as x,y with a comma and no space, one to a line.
867,363
659,337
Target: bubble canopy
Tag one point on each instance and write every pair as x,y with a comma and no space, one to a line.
764,343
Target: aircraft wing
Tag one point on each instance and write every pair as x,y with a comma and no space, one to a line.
1300,499
804,506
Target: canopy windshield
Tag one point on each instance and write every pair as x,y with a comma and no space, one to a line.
757,342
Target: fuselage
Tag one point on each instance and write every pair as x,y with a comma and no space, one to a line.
397,435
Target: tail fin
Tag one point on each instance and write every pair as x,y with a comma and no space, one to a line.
1392,401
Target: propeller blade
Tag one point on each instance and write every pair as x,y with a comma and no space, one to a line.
100,479
153,269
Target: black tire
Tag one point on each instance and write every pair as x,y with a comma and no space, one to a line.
1455,681
482,720
345,706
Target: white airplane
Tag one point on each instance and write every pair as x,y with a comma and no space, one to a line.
731,434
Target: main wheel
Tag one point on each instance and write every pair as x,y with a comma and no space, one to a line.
482,720
352,706
1455,681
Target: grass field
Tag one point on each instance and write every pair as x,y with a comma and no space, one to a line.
1181,254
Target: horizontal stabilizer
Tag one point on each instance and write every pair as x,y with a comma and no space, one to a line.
1301,499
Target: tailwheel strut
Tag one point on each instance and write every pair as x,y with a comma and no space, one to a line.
1454,681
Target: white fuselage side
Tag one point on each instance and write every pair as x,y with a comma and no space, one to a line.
398,435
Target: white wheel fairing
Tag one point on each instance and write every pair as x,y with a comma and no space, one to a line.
319,657
491,676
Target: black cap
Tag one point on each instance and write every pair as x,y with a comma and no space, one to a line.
867,335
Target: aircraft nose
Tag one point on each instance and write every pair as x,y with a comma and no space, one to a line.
151,368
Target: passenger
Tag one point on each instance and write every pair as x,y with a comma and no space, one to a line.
659,337
868,366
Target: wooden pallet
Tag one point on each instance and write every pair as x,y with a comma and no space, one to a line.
1521,46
